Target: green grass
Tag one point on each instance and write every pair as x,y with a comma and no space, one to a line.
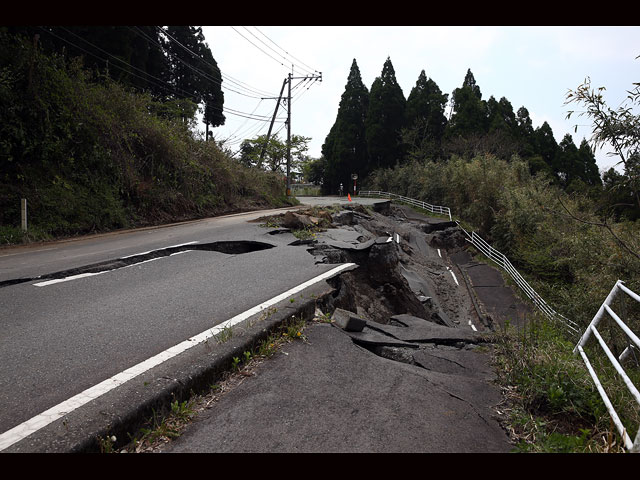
553,403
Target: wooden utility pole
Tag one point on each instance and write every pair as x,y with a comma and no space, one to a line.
308,77
289,140
288,99
264,147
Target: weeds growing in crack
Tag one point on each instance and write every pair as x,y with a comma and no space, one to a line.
224,335
162,430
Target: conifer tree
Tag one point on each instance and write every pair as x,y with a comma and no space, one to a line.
345,148
525,132
566,164
425,121
589,172
194,71
385,119
469,111
545,144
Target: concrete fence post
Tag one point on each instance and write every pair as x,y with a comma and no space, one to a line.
23,211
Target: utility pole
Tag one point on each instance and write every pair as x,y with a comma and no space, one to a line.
288,100
289,140
308,77
264,147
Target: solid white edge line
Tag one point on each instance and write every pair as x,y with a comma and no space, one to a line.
34,424
83,275
163,248
454,276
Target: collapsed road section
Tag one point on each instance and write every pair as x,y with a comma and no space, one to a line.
404,264
228,247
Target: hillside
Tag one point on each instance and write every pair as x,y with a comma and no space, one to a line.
90,154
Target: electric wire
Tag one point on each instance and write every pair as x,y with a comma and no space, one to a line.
285,58
268,55
311,70
173,89
218,82
163,84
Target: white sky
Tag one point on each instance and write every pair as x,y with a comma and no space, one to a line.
531,66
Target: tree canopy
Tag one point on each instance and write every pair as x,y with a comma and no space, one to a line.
345,148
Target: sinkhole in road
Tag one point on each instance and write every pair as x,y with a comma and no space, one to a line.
229,247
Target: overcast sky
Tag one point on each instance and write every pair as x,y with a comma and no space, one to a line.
531,66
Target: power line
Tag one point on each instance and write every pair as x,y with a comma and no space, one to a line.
285,58
268,55
312,70
199,72
227,77
163,84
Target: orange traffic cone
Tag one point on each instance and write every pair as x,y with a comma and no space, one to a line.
349,195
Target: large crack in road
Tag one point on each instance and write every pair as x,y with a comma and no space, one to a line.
417,303
232,247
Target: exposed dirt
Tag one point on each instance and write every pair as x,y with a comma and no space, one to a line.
403,275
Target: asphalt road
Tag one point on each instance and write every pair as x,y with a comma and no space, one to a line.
60,338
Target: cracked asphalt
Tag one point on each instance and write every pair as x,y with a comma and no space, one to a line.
411,384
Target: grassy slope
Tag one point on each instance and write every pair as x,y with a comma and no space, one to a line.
91,156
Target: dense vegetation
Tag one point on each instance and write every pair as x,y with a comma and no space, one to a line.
91,150
380,129
569,231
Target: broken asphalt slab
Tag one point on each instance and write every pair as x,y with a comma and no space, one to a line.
410,385
327,394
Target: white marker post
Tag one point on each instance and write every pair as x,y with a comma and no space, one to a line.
23,211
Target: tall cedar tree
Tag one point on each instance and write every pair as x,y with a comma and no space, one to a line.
385,119
469,111
132,55
195,73
589,172
424,116
525,132
545,145
345,148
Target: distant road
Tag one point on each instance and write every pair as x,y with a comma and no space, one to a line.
331,200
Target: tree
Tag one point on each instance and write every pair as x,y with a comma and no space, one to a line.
619,128
588,172
313,170
425,121
345,148
524,129
545,144
275,158
385,119
469,111
618,196
565,165
195,74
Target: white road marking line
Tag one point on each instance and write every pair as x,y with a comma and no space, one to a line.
454,276
67,279
83,275
397,238
163,248
439,253
34,424
473,327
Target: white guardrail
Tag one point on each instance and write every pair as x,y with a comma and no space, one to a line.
502,261
411,201
490,252
634,344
